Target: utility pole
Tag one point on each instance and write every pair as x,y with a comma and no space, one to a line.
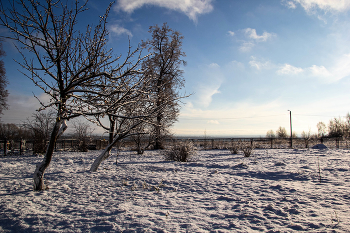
291,132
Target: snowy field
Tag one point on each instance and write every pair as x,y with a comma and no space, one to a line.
272,191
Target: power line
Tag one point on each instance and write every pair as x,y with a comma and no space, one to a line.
226,118
237,118
316,115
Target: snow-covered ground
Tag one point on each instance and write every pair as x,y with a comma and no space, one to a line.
272,191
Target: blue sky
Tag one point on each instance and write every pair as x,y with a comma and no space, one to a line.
248,61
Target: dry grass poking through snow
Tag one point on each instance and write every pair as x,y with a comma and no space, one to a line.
271,191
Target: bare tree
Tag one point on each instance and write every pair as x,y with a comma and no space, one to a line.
119,91
336,127
270,134
3,82
307,137
165,66
143,138
64,61
281,132
82,132
322,129
40,127
347,125
11,131
133,104
129,112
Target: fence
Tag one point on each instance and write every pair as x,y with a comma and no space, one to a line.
268,143
26,147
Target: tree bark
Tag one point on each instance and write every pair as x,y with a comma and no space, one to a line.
105,154
158,142
38,175
111,129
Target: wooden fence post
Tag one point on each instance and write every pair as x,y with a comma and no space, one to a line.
337,142
271,143
5,147
20,147
33,144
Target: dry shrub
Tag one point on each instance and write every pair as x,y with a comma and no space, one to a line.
235,146
181,152
247,151
234,150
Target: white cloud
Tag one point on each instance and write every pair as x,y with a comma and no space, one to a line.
209,84
287,69
342,67
251,38
339,70
251,33
290,4
116,29
231,33
21,107
239,118
237,64
246,46
214,66
336,71
206,92
192,8
253,118
259,65
325,5
319,71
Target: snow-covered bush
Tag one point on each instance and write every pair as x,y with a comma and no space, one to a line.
247,151
235,146
181,152
234,149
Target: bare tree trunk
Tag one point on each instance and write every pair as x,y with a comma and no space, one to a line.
38,175
110,139
104,155
158,141
111,129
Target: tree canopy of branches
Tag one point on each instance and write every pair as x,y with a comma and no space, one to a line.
79,74
281,132
13,132
62,61
3,82
165,66
143,96
135,106
337,128
40,127
82,132
270,134
321,129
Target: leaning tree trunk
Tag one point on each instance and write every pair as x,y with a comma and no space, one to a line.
40,168
105,154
